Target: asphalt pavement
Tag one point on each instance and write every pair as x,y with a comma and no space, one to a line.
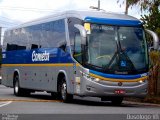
42,106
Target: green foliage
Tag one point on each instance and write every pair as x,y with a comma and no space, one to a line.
144,4
151,20
154,76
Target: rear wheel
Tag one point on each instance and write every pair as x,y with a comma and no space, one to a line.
55,95
17,90
63,92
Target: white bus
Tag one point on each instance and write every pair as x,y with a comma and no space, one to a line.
83,53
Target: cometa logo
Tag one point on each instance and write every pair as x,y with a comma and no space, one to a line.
40,56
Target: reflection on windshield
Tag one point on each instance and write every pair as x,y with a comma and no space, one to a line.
101,50
117,49
132,42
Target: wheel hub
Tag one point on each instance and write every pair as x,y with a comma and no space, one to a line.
16,87
63,91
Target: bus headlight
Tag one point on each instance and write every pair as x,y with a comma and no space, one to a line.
91,78
97,79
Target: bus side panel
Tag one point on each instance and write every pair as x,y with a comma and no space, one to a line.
38,78
7,76
38,75
8,68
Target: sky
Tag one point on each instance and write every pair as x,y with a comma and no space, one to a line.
13,12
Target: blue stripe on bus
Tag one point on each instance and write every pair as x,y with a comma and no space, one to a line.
116,76
57,55
109,21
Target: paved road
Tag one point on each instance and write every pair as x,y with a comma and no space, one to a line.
42,103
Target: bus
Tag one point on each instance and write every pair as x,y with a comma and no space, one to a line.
78,53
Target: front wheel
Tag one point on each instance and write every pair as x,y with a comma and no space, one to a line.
117,101
63,92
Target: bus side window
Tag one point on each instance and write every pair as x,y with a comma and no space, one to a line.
77,48
11,47
34,46
63,47
21,47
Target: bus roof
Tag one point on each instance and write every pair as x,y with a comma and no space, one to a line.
79,14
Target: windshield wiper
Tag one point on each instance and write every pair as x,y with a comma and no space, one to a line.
113,58
128,60
120,62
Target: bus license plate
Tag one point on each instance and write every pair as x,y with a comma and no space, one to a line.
119,91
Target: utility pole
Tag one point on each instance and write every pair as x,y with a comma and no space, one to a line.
99,3
127,6
98,7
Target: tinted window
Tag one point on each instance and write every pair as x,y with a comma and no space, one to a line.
15,40
72,30
53,34
46,35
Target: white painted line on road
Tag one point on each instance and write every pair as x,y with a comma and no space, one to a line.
5,103
21,100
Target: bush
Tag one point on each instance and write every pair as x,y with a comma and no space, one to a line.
154,78
154,57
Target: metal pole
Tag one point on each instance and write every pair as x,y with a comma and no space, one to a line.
127,6
98,4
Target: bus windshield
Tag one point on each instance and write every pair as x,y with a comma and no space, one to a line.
117,49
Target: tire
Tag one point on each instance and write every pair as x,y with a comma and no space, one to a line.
55,96
26,92
117,101
17,90
63,92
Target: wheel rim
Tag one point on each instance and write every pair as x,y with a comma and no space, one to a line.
63,91
16,87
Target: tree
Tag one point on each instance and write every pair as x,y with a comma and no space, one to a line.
152,10
128,3
151,20
144,4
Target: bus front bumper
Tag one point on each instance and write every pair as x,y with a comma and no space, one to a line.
107,88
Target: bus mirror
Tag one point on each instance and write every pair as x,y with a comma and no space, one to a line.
82,33
155,39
